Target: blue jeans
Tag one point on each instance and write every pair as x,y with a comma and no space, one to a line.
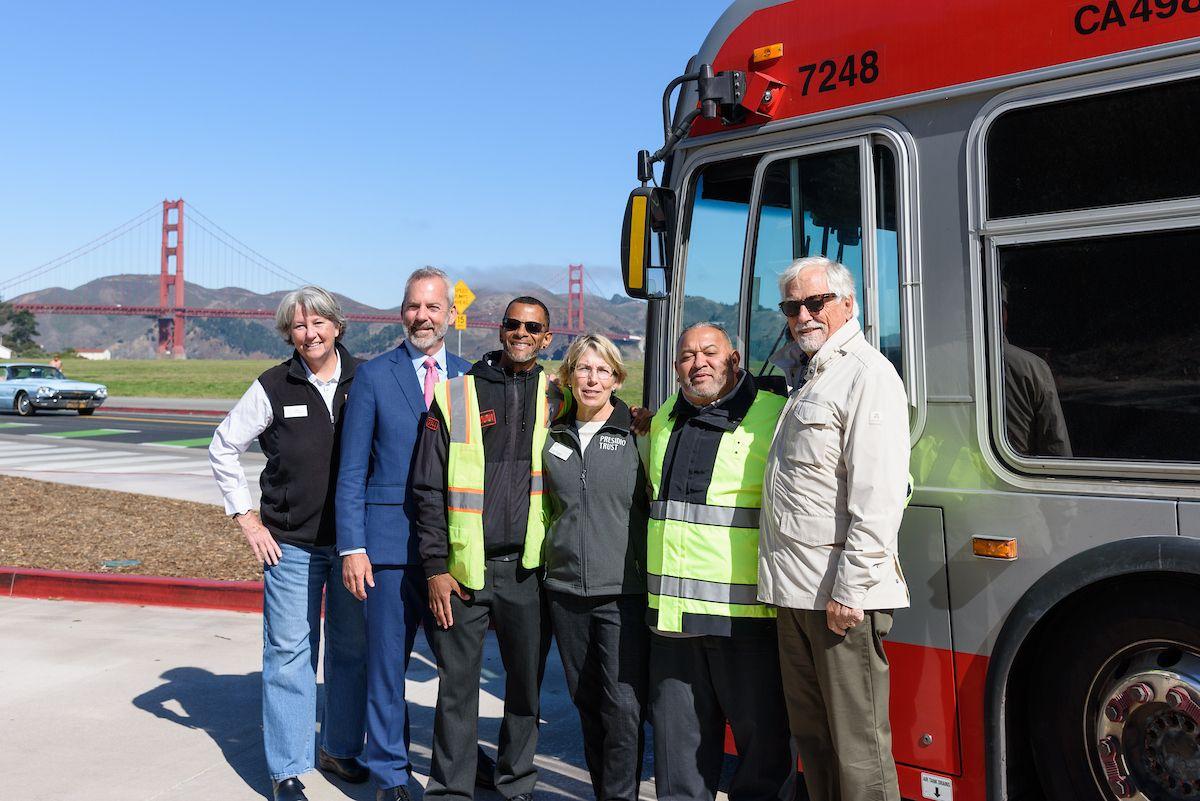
291,646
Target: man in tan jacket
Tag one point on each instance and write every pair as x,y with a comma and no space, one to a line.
833,497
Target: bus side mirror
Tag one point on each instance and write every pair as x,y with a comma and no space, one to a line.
650,211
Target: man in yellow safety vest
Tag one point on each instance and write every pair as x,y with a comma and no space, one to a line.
713,653
477,484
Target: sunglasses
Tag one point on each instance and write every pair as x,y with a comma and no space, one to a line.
814,304
512,324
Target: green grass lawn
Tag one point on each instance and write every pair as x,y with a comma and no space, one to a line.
212,378
188,378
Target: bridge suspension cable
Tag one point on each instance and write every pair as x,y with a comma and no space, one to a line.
82,250
244,250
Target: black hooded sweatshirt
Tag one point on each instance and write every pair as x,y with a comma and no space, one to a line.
508,412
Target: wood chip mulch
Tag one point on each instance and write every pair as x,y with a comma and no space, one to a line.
63,527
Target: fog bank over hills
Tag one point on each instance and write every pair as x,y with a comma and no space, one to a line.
135,338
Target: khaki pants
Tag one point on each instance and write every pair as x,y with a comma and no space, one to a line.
837,702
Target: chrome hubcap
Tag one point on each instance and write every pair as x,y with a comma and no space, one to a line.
1147,725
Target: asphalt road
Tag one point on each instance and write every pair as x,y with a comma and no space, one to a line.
191,431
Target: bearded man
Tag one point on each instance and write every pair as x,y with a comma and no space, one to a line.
713,654
381,565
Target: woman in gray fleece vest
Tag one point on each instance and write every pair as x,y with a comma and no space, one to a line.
595,556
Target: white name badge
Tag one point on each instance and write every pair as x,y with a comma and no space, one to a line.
295,411
561,451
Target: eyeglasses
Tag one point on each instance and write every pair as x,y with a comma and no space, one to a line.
512,324
814,304
586,371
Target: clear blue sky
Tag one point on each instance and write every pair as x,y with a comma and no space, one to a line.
349,142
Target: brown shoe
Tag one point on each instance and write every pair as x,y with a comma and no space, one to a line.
348,770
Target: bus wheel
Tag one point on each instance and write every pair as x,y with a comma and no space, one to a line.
1115,709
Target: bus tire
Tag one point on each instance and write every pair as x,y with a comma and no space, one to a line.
1114,708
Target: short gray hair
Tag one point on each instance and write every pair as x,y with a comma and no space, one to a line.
837,276
315,300
425,273
720,329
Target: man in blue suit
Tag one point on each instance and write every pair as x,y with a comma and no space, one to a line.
374,508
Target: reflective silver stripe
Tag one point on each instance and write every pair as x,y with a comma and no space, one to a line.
699,590
535,482
464,501
459,423
705,514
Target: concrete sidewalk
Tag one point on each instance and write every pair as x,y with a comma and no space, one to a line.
123,703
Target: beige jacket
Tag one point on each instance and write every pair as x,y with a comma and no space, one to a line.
836,480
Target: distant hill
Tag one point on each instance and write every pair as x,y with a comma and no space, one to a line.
218,338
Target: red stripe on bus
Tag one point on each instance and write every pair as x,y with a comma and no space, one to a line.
843,54
936,692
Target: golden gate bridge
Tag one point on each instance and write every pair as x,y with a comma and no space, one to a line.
186,235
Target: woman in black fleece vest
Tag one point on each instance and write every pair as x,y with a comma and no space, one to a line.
294,410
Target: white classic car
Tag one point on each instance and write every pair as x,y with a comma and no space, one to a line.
25,388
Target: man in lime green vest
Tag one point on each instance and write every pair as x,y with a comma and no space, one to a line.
477,485
713,653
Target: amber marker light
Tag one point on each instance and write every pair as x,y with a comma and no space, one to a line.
768,53
995,547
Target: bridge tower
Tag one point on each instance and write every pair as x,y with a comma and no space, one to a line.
170,328
575,298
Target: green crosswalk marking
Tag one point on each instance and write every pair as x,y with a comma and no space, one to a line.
17,425
89,432
198,442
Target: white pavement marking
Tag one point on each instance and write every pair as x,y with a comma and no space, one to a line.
124,467
53,454
66,459
26,450
136,465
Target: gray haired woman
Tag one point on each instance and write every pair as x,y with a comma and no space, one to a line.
294,410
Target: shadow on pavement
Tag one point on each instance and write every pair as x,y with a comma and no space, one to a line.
225,707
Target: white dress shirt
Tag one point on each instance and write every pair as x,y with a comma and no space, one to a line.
250,417
418,362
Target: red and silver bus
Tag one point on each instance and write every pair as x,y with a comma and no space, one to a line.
1016,186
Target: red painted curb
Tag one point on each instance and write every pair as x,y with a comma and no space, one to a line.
150,410
234,596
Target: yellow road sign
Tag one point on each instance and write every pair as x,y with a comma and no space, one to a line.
460,322
463,297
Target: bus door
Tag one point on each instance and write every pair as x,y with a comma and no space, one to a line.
746,218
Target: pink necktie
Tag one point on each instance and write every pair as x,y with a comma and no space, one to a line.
431,378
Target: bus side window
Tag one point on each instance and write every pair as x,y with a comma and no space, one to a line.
1093,342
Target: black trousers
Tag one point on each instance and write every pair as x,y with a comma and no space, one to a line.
696,684
511,600
604,644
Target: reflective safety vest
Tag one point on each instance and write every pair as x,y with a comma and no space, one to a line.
459,405
702,558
